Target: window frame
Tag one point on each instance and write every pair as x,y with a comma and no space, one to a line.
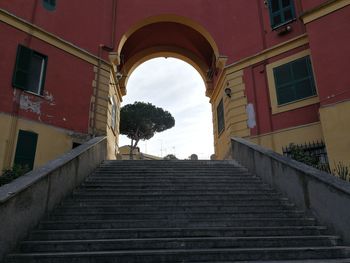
23,68
49,5
295,81
280,12
19,153
275,107
220,116
113,113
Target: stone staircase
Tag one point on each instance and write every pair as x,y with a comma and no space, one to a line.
177,211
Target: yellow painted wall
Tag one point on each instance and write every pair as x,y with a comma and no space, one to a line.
113,134
335,120
234,113
52,142
297,135
105,88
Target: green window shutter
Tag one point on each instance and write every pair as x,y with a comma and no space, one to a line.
26,148
220,116
294,81
281,12
22,67
49,4
30,70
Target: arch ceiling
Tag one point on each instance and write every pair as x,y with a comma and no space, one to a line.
167,39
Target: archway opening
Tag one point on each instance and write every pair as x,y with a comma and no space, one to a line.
175,86
174,37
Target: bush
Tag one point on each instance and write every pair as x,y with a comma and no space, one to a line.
341,170
170,157
11,174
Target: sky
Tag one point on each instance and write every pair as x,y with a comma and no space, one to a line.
177,87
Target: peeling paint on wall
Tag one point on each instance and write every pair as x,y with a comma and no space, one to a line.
251,122
25,103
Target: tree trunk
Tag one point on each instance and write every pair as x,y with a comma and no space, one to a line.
132,148
131,156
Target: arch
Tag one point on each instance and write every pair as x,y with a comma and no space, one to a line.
165,51
150,38
174,19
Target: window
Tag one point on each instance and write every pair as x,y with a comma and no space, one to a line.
294,81
281,12
278,95
25,149
30,70
220,116
49,4
114,113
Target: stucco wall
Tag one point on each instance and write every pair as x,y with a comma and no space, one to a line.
324,196
27,199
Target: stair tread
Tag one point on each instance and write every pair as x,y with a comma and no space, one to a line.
210,250
240,238
181,211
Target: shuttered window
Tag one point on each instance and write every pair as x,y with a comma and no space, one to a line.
30,70
49,4
294,81
113,113
25,149
220,116
281,12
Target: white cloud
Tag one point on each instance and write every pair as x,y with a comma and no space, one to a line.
178,88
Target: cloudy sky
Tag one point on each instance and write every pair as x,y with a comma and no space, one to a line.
178,88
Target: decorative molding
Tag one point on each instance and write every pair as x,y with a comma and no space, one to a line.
269,53
50,38
323,10
275,108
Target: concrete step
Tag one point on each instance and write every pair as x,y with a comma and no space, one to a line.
164,211
77,208
160,163
131,187
161,192
108,233
176,243
147,185
174,196
197,222
174,173
171,215
181,255
184,179
160,202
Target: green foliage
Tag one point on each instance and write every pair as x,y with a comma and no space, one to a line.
141,121
170,157
341,170
298,154
11,174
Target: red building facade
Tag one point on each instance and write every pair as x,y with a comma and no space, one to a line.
281,62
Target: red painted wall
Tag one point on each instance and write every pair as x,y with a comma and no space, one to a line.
67,89
310,4
257,93
224,21
240,28
329,42
83,23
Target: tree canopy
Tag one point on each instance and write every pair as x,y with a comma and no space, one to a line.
170,157
141,121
